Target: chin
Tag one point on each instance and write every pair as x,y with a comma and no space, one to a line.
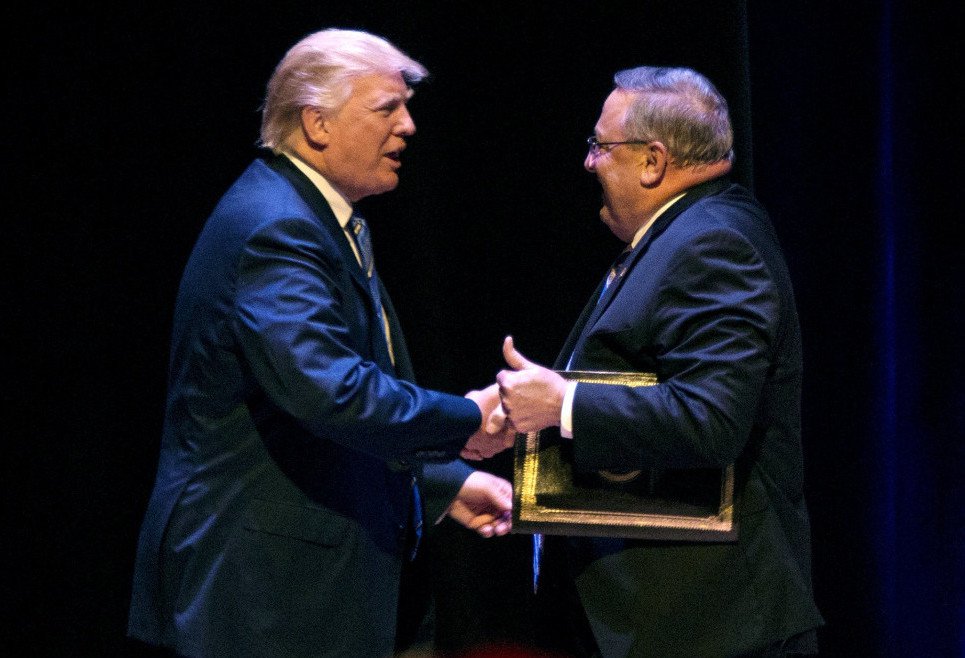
389,182
382,185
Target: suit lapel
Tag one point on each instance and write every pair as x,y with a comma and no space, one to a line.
577,330
403,364
595,308
326,218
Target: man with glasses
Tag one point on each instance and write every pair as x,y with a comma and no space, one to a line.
700,296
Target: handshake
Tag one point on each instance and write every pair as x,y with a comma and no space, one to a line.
525,398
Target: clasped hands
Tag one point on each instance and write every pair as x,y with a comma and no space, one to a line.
525,398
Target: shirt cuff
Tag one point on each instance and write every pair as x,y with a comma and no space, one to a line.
566,413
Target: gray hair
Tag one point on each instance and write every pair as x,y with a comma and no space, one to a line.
680,108
318,71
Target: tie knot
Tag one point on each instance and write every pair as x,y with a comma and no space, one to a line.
360,230
358,224
619,264
618,269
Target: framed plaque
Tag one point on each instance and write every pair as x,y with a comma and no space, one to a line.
550,497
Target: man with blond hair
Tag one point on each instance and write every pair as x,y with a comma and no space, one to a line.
295,444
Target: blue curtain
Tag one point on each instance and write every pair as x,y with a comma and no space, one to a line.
858,141
919,521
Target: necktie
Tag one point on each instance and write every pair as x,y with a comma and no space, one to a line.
363,240
416,520
617,270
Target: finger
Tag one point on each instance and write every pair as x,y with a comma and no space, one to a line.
515,360
502,496
496,421
509,439
502,526
481,521
512,425
471,454
520,425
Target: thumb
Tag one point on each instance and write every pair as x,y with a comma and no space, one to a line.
496,420
515,360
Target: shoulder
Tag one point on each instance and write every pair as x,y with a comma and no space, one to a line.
262,206
718,235
262,193
730,215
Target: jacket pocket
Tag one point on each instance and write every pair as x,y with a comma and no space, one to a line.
310,524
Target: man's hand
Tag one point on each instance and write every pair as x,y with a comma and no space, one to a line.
532,396
484,504
492,437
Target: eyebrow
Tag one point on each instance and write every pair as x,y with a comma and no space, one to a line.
386,100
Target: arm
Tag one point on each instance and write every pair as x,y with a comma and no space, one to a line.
711,327
477,500
301,326
484,504
711,330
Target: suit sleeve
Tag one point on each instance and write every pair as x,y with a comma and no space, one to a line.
440,483
295,321
710,327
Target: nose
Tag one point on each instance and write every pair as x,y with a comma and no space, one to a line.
405,126
590,162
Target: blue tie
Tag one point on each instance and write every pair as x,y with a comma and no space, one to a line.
617,270
363,240
416,519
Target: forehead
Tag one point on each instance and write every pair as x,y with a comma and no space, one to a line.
377,87
614,110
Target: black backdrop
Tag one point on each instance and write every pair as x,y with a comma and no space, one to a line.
124,125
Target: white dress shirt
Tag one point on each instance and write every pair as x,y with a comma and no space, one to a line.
342,208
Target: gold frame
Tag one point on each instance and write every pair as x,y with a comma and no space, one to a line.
543,472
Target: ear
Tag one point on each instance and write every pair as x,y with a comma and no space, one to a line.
653,159
314,126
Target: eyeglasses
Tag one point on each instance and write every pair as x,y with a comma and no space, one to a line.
597,147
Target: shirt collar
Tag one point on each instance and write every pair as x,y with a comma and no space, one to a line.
339,204
643,229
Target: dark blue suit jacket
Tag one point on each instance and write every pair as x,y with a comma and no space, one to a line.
284,492
707,305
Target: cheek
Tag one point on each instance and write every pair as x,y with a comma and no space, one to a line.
610,182
620,182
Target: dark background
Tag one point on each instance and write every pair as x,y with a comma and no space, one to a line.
125,125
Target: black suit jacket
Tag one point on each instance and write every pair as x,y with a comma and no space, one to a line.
707,305
291,444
